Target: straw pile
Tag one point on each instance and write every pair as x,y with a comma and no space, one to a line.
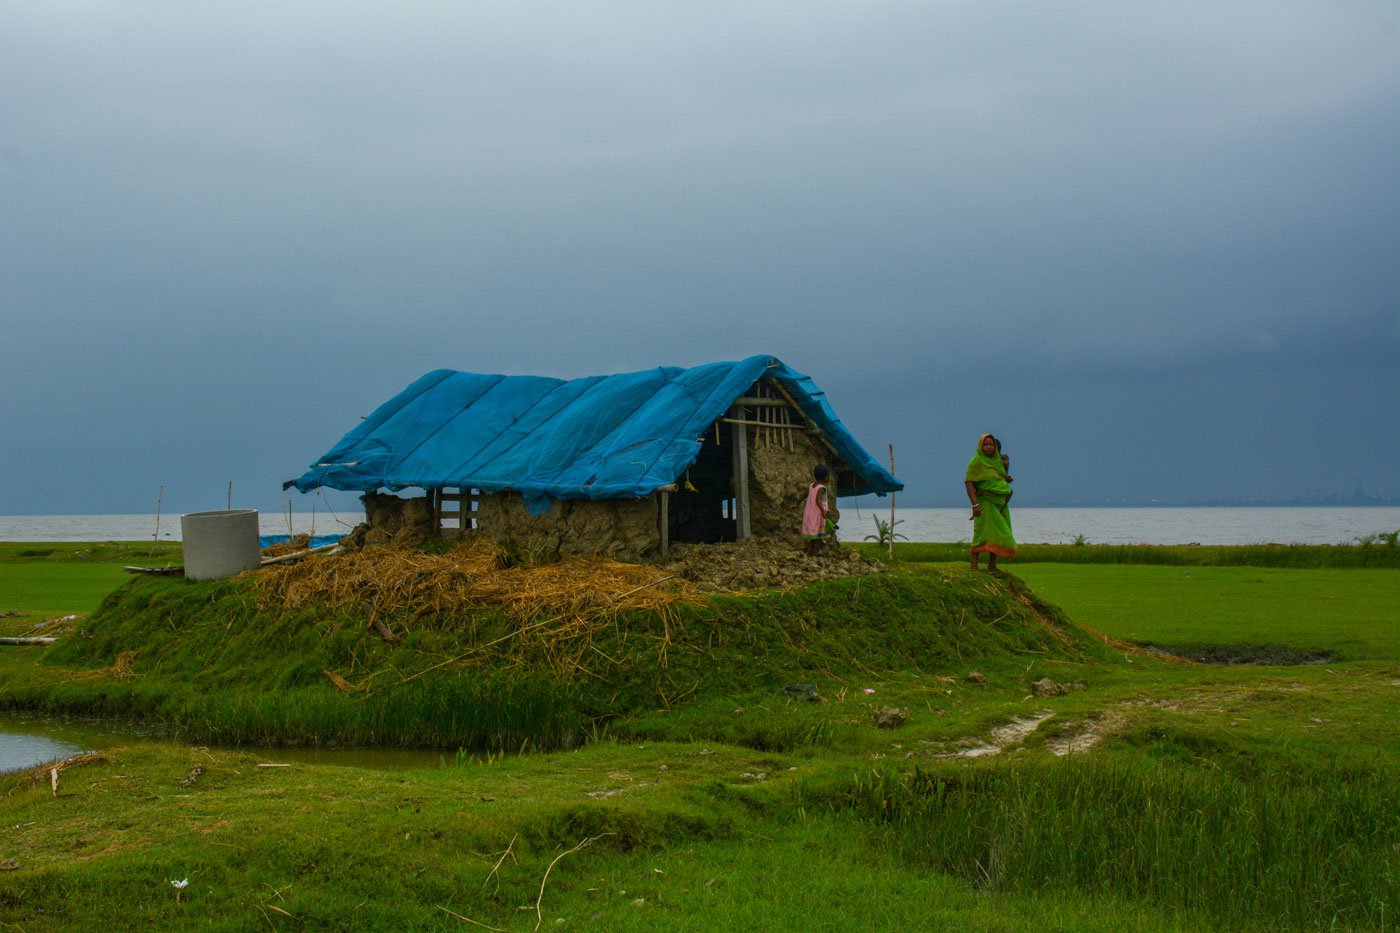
395,581
120,669
557,608
296,543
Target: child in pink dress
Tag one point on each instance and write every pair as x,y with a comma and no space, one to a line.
817,525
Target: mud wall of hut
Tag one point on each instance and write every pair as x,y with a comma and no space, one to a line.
390,519
778,481
626,529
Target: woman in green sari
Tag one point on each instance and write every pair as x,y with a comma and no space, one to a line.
989,491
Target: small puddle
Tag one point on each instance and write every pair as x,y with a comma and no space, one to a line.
1271,655
27,742
19,751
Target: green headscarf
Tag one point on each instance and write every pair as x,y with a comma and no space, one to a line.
988,474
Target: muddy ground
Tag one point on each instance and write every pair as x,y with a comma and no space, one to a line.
759,563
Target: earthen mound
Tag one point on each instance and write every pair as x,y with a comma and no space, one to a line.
759,563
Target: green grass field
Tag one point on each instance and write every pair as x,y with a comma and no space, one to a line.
44,580
1354,614
1153,794
1374,553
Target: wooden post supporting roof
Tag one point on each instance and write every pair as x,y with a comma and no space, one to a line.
665,523
463,499
742,528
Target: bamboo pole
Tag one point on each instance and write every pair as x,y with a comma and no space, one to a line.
269,561
766,415
741,482
158,571
758,424
812,429
665,523
160,496
892,505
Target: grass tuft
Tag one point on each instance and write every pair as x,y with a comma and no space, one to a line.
1178,838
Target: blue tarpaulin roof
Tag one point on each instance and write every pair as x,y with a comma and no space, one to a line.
599,437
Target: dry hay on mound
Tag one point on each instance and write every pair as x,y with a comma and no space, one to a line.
558,607
120,669
394,581
758,563
291,546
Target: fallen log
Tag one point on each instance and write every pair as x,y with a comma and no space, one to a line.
268,561
29,640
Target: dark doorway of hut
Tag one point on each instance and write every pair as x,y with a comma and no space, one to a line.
702,508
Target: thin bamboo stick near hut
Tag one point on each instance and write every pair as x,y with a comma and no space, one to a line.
892,505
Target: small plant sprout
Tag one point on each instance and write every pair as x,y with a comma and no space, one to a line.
179,887
885,533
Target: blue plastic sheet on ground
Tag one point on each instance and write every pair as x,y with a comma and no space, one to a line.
316,540
598,437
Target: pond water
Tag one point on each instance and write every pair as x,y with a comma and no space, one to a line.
27,742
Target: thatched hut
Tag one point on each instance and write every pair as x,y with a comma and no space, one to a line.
621,465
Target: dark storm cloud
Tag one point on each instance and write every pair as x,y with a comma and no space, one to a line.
231,231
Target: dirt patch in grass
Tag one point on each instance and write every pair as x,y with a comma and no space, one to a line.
1083,736
758,563
1012,732
1230,655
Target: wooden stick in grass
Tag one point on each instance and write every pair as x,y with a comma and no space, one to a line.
642,587
539,915
497,867
477,923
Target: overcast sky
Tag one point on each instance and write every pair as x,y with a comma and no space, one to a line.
1151,245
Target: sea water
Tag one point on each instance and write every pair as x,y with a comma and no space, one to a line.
162,528
1217,525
